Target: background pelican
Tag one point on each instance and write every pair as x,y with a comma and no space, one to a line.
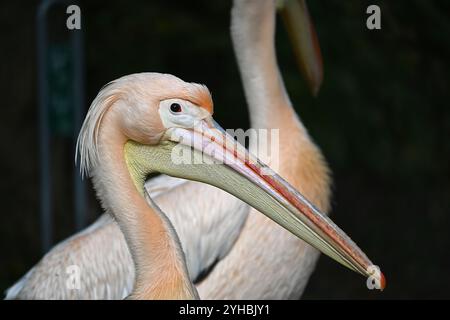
290,263
253,26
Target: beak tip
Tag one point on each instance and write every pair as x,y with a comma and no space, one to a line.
382,281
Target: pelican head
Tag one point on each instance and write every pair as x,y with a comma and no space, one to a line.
151,119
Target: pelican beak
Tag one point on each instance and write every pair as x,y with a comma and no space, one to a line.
304,41
259,186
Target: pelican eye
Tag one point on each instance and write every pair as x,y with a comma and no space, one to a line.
175,107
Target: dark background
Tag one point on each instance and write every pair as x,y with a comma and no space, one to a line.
382,119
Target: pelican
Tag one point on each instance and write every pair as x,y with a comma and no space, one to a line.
220,228
300,160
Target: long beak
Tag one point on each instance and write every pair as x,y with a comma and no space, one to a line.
304,41
258,185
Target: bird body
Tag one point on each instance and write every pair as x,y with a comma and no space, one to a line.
103,255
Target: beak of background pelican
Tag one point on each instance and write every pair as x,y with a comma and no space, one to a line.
223,162
304,40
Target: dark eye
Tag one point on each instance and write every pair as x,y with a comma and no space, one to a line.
175,107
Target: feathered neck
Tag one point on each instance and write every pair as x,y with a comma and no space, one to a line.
161,271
